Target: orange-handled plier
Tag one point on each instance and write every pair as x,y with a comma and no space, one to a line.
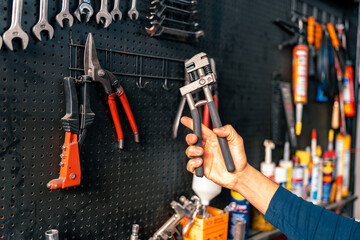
93,69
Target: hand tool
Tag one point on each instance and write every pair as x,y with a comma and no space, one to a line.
289,111
215,93
240,229
196,212
185,210
43,24
160,8
201,76
134,232
133,11
170,20
15,30
230,207
311,42
84,8
52,234
108,80
184,3
104,14
116,11
75,125
157,30
64,14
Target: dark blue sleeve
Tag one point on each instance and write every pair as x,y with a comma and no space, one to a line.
302,220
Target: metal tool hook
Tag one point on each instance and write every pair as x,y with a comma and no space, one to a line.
165,83
139,82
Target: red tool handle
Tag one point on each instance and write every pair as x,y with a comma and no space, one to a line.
332,33
124,101
206,114
116,119
318,35
310,36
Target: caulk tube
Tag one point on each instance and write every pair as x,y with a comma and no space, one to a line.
286,163
281,176
346,173
297,177
315,180
267,167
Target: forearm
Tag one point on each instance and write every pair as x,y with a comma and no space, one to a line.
256,188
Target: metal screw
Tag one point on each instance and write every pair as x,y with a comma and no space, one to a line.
63,148
62,155
61,164
55,185
202,81
72,176
101,73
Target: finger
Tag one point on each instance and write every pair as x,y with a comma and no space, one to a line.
194,151
205,131
191,139
229,133
193,163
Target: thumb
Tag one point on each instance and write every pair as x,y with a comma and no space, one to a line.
229,133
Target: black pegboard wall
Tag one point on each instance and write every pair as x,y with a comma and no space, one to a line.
137,184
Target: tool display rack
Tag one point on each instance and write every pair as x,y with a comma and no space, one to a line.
137,184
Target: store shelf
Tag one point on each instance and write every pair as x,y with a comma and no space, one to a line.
256,235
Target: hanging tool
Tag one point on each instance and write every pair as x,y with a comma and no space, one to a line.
64,14
158,30
215,94
108,81
116,11
52,234
134,232
84,8
15,30
75,125
187,210
104,14
201,76
133,12
311,43
43,24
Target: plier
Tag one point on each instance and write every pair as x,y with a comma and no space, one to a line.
109,82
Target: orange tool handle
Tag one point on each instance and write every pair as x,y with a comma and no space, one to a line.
206,116
310,30
318,35
70,170
124,101
115,116
332,33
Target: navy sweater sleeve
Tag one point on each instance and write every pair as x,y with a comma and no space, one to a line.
302,220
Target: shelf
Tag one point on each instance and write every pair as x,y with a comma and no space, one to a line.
256,235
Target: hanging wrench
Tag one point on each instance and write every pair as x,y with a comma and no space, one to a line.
104,14
157,30
43,24
133,11
84,5
116,11
65,14
15,30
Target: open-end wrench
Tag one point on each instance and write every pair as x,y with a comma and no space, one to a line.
104,14
84,8
164,8
165,19
15,30
64,14
116,11
157,30
133,11
43,24
180,2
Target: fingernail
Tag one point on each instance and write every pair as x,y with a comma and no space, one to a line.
198,150
197,161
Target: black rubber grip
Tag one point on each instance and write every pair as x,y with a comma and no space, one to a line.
215,118
70,121
197,131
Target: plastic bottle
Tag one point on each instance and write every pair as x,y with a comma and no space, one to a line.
205,189
268,167
286,163
304,157
241,212
281,176
316,178
343,145
327,174
297,177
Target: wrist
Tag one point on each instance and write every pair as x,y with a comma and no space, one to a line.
240,177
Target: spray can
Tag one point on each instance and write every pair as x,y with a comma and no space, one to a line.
300,78
348,90
268,167
281,176
297,177
286,163
241,213
327,174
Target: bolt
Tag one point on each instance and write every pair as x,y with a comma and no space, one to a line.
72,176
48,185
62,155
63,148
61,164
101,73
202,81
55,185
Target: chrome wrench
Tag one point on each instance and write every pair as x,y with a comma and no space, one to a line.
84,5
15,30
133,11
43,24
116,11
64,14
104,14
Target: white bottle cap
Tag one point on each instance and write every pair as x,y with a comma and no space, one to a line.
280,174
285,164
268,169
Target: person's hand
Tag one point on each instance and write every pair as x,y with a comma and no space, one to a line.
214,166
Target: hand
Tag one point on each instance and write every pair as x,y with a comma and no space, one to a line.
214,166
